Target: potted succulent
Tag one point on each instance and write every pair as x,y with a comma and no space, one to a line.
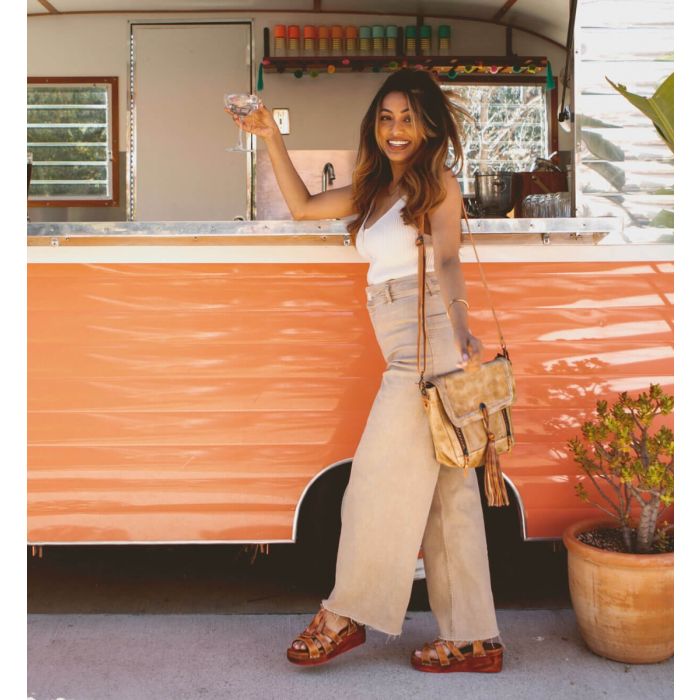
621,567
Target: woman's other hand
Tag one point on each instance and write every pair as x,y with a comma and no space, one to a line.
469,347
259,123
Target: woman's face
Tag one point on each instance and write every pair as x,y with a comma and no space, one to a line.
398,135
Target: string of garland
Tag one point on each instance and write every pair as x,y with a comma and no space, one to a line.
451,72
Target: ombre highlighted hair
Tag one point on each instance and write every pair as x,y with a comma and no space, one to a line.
435,117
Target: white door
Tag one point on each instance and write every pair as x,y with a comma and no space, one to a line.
181,170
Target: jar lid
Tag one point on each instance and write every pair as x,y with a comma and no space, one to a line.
392,31
444,31
293,31
323,32
280,31
337,31
309,31
351,32
365,32
425,31
410,32
377,31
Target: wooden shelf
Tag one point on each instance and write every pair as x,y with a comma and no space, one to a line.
453,66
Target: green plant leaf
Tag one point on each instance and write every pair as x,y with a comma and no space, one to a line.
664,219
602,148
658,107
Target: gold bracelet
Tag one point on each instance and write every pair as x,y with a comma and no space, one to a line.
463,301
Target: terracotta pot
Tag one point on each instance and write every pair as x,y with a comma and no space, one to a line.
623,602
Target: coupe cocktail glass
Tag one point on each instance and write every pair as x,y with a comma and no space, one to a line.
241,104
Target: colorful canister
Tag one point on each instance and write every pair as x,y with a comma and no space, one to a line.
365,41
324,34
444,32
351,46
293,36
410,40
377,40
336,40
309,40
424,36
392,35
280,45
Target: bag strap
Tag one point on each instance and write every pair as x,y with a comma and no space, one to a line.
422,333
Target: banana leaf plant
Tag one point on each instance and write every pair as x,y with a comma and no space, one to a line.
658,107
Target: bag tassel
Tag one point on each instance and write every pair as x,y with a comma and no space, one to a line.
496,494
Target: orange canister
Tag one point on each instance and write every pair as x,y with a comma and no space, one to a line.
280,45
351,47
293,35
336,40
324,48
309,40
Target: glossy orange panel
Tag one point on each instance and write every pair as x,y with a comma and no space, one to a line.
196,402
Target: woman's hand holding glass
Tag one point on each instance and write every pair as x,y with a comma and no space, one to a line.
259,123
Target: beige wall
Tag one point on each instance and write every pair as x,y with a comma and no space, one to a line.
99,45
325,112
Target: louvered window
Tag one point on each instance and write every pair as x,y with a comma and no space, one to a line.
72,138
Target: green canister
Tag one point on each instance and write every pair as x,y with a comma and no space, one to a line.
392,35
425,32
410,41
444,31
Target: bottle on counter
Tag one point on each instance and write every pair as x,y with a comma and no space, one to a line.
410,41
351,47
444,32
336,40
324,34
365,41
293,35
280,45
392,35
425,32
377,40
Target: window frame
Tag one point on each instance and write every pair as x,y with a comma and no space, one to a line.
552,106
113,141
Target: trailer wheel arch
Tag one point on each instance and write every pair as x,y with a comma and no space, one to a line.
314,483
318,479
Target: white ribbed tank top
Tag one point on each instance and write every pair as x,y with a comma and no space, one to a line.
390,247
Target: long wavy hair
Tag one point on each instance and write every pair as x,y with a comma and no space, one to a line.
434,115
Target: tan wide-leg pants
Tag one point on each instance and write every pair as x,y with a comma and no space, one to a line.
399,495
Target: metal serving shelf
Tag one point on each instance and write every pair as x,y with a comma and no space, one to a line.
326,232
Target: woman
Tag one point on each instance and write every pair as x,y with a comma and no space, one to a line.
398,495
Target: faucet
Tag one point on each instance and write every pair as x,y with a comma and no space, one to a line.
327,176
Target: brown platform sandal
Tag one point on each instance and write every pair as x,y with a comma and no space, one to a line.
477,657
322,643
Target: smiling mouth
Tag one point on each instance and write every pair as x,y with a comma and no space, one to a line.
398,145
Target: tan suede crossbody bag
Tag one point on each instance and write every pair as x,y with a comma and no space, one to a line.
469,412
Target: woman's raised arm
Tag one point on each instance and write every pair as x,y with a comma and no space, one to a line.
333,204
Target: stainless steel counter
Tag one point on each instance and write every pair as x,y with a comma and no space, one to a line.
325,232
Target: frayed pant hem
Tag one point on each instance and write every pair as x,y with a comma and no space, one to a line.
390,635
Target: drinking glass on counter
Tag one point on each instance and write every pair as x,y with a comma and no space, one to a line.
547,206
241,104
564,204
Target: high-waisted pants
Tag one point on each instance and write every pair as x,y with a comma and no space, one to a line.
399,496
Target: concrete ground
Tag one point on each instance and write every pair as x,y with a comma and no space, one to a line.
182,657
171,622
